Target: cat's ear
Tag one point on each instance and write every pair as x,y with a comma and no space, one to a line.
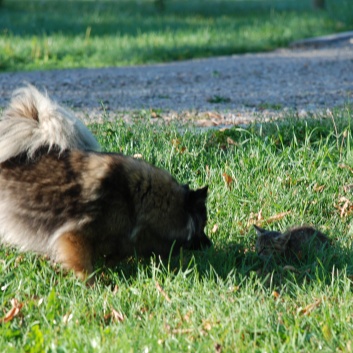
259,230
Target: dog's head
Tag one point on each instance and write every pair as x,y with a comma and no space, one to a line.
167,215
195,205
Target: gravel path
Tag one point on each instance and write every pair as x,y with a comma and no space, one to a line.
224,90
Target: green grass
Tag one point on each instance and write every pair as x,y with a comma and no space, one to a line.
223,299
52,34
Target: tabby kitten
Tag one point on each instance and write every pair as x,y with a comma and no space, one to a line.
295,242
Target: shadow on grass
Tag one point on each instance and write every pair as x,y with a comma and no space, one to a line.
235,260
232,262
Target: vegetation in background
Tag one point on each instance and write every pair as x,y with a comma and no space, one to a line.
275,175
223,299
51,34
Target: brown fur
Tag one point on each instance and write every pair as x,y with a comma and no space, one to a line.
74,253
77,206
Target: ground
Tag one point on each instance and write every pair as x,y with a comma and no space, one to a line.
214,92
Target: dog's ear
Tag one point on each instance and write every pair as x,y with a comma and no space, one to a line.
195,198
198,197
203,192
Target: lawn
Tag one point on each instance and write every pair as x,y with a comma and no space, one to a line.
223,299
278,174
53,34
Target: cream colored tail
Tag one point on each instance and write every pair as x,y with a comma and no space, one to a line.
32,121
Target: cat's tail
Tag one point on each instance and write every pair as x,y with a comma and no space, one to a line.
32,121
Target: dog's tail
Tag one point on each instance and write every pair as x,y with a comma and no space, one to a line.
32,121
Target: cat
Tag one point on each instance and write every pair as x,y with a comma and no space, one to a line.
295,242
61,197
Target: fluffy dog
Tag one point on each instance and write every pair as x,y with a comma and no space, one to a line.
61,197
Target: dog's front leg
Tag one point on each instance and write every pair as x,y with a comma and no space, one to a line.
74,252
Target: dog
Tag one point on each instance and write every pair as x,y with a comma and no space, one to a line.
60,196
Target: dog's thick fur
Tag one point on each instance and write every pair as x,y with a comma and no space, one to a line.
60,197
